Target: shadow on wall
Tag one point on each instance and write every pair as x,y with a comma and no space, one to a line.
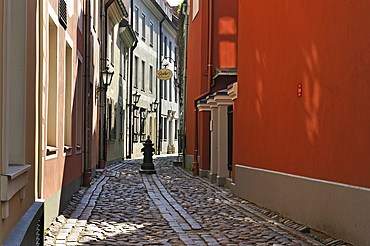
312,91
227,30
261,61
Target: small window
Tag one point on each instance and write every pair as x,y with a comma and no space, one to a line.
136,124
165,46
151,33
143,75
176,90
135,71
143,26
165,89
165,129
121,121
136,14
170,51
142,124
176,129
161,81
151,79
170,89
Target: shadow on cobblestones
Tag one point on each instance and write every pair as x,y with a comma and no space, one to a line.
169,208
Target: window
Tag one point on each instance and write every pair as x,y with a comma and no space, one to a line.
120,112
176,129
165,89
136,15
176,90
175,58
170,89
143,26
151,79
52,94
165,129
161,128
68,100
135,72
161,88
121,58
79,111
136,124
165,46
142,124
195,8
170,51
111,120
151,33
122,123
111,36
143,75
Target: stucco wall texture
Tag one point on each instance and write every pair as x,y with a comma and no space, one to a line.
325,134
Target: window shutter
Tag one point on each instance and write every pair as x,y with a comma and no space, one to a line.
63,13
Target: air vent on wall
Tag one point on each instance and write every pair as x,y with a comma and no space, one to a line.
63,13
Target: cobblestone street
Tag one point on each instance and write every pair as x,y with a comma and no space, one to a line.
171,207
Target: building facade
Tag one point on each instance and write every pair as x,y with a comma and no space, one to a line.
120,40
169,89
18,106
149,21
290,132
211,68
300,118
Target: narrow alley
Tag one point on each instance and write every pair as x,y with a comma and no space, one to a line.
171,207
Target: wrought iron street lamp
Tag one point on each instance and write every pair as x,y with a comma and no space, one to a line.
136,97
153,106
107,76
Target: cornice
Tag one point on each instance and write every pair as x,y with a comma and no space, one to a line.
233,91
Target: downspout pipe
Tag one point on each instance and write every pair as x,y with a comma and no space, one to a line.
87,166
195,166
130,145
159,135
130,99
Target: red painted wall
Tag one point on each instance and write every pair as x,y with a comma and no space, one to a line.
224,54
324,45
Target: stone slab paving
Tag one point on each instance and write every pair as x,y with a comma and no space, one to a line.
171,207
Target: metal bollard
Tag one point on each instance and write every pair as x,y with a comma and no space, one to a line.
148,167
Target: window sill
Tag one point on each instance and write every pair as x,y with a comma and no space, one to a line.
51,150
16,170
11,182
78,149
68,150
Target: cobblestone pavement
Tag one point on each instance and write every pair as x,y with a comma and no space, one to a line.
171,207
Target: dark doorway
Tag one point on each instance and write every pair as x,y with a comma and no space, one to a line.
230,139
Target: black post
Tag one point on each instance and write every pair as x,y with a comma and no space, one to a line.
148,167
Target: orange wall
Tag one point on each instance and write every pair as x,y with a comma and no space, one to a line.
224,53
324,45
62,170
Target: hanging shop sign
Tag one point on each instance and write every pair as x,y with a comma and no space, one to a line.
164,74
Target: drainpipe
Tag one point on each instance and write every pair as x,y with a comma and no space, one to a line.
159,135
195,166
130,98
87,167
130,145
